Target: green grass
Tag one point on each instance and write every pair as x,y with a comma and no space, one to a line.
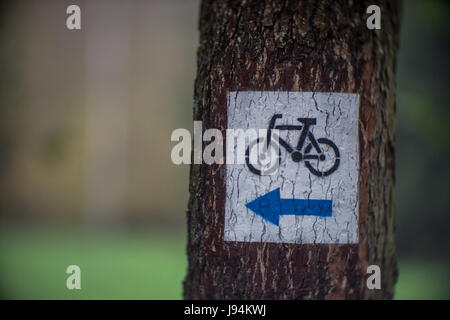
120,265
136,265
422,279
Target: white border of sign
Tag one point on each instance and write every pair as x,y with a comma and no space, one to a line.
337,116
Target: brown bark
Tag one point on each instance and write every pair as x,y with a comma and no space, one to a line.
279,45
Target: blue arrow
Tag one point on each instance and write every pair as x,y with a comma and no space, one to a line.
270,207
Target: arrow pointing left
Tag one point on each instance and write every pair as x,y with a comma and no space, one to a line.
270,207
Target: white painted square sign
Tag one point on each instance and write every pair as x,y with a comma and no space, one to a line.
312,197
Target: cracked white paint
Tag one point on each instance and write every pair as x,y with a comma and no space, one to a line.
337,120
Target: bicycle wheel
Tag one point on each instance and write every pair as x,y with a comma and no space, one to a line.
327,162
264,163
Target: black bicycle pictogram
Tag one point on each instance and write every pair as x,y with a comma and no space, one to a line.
321,156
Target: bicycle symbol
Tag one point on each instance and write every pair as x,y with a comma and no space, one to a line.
323,151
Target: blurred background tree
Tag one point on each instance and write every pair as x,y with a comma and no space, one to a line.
58,165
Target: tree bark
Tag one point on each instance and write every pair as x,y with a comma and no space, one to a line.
282,45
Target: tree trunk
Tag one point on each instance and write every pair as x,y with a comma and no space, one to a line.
307,46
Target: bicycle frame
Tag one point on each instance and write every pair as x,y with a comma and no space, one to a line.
307,122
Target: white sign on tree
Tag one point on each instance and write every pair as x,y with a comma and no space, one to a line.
312,196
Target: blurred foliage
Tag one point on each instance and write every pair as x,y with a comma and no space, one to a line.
423,133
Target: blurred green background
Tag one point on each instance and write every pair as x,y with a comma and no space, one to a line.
85,170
